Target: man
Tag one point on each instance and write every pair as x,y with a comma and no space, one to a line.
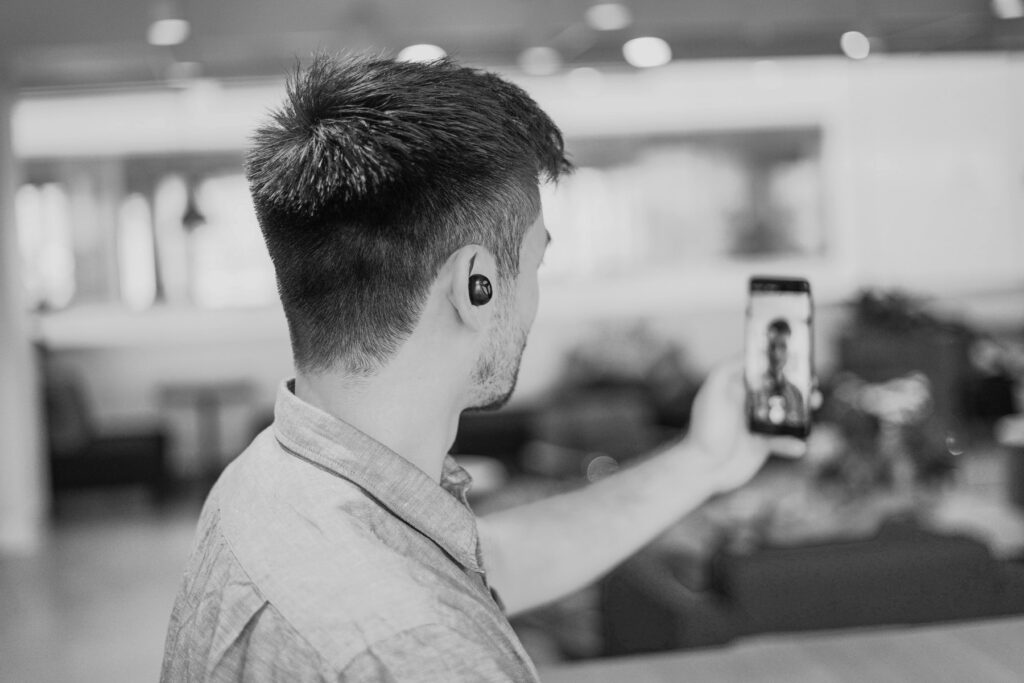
778,401
400,206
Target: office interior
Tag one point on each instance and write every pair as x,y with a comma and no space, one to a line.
875,149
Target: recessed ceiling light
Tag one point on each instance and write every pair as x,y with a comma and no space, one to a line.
608,16
164,32
855,45
647,52
1008,9
422,52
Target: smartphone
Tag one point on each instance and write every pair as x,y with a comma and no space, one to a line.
779,368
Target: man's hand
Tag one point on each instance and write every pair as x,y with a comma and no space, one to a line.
718,432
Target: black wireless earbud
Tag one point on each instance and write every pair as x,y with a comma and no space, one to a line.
479,290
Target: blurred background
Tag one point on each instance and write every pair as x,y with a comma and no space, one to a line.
875,148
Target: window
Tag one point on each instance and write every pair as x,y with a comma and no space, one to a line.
47,252
136,252
690,198
140,232
232,267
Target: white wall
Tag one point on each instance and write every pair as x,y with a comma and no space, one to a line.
22,500
939,173
924,174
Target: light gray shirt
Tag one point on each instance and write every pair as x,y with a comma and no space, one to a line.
322,555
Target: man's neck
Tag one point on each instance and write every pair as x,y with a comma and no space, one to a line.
776,380
403,412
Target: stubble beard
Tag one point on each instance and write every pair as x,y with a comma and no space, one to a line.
497,371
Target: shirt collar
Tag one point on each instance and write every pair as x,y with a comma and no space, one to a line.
439,512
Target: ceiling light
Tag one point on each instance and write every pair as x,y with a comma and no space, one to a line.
855,45
1008,9
540,60
168,32
422,52
647,52
169,26
608,16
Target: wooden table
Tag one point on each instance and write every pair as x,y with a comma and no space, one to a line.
983,651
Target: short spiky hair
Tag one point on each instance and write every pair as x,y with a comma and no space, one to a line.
371,174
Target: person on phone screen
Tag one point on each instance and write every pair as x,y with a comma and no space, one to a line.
778,401
400,205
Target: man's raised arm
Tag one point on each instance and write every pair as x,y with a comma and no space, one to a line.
544,550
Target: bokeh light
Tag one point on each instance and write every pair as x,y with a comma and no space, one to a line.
647,52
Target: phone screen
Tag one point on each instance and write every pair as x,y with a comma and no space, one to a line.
779,369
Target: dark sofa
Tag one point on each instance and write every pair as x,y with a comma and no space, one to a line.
903,575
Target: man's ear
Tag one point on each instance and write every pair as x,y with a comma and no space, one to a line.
472,260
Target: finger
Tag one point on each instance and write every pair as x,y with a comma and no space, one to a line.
816,399
727,375
787,446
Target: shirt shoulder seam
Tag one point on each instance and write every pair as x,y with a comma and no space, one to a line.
267,601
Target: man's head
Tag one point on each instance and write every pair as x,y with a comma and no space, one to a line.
371,176
778,345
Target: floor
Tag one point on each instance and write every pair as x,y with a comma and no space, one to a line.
93,604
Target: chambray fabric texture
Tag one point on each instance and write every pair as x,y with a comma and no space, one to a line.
322,555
